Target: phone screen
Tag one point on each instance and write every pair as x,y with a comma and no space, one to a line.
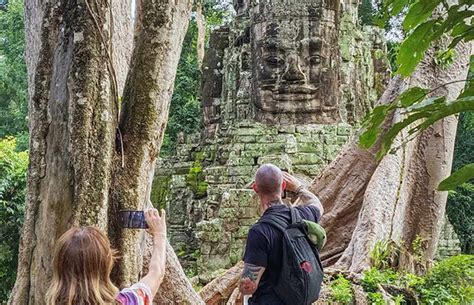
132,219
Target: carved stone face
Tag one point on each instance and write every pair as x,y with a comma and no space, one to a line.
295,67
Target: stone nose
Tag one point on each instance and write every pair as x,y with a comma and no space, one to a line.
293,71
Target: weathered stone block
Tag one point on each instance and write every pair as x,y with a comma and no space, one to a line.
242,232
236,255
283,161
248,221
238,197
264,149
309,170
305,158
344,130
247,139
178,181
209,230
331,151
241,170
308,138
205,248
311,147
232,213
255,131
287,129
238,161
248,212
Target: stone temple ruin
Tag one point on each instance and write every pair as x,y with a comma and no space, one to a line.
287,83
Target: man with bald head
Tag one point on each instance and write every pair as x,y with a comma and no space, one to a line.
264,251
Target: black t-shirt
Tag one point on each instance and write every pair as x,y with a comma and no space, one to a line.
264,249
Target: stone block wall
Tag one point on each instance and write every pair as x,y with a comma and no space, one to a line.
448,244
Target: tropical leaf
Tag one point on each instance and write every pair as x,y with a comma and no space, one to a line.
412,95
457,178
389,137
454,18
372,125
413,48
418,13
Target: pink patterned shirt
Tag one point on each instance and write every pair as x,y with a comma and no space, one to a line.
138,294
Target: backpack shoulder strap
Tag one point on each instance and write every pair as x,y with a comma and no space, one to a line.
275,221
295,216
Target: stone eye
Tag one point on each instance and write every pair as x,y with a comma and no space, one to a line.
315,60
273,60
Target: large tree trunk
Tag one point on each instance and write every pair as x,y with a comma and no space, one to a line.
72,128
78,174
201,26
396,199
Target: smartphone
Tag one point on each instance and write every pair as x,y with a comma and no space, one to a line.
283,193
132,219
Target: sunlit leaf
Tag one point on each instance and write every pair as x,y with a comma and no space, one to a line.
398,6
413,48
460,105
372,126
459,29
389,137
462,175
412,95
418,12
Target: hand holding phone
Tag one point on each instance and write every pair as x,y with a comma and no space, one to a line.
156,223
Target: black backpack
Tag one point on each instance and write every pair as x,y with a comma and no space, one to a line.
302,273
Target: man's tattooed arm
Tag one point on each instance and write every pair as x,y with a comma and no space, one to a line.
250,278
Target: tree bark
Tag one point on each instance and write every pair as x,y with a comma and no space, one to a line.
341,186
144,115
72,117
176,288
400,201
76,175
222,287
201,38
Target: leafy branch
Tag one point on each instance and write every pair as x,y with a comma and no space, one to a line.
424,27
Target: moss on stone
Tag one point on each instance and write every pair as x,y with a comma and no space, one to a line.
195,179
160,190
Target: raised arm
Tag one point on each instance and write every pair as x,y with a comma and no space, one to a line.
306,197
156,269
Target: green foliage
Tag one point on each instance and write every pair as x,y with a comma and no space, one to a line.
422,31
462,175
464,141
460,206
185,108
13,79
375,298
374,277
451,281
195,178
366,12
380,254
13,166
341,290
159,191
460,212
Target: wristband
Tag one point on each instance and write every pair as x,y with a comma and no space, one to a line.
299,189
